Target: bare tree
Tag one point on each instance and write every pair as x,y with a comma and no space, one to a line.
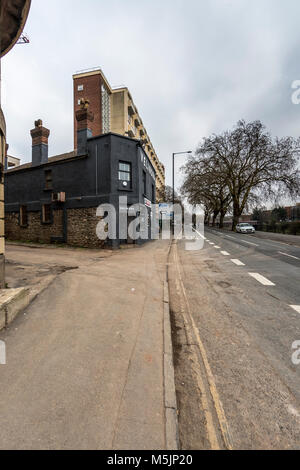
168,196
248,162
203,185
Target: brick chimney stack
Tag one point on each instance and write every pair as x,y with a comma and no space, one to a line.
83,117
40,137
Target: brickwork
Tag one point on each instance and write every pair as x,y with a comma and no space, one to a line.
81,225
39,134
91,91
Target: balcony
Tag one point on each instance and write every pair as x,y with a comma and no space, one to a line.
131,110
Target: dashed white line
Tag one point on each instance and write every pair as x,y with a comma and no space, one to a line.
237,262
296,307
228,236
217,247
225,253
211,243
263,280
290,256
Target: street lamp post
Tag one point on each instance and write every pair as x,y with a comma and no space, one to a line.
173,180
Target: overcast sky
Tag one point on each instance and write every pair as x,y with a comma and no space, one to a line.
194,67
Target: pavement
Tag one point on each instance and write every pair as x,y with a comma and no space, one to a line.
85,361
236,315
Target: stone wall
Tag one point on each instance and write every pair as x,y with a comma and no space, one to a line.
35,231
81,227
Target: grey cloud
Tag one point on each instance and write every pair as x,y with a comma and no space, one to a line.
193,67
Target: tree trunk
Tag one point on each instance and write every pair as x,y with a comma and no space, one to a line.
206,218
236,216
215,218
222,216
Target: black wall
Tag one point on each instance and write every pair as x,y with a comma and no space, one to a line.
87,180
93,178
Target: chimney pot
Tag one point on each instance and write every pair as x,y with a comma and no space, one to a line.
40,137
83,117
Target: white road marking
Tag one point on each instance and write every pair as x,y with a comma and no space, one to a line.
286,254
249,243
293,411
200,235
225,253
211,243
263,280
217,247
240,239
237,262
296,307
274,241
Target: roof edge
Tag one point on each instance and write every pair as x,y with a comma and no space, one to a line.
24,16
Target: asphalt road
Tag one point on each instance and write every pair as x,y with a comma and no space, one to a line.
277,261
244,299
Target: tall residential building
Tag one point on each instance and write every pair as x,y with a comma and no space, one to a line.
114,111
11,162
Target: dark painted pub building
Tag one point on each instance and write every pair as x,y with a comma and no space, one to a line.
55,199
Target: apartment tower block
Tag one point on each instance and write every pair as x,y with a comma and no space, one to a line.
114,111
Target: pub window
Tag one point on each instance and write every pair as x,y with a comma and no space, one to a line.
46,213
23,216
48,179
153,193
80,88
125,172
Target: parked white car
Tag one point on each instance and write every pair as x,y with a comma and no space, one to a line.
245,228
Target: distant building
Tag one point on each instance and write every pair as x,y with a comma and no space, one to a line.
293,212
114,111
246,218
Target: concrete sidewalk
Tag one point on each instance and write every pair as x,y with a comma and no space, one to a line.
85,365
